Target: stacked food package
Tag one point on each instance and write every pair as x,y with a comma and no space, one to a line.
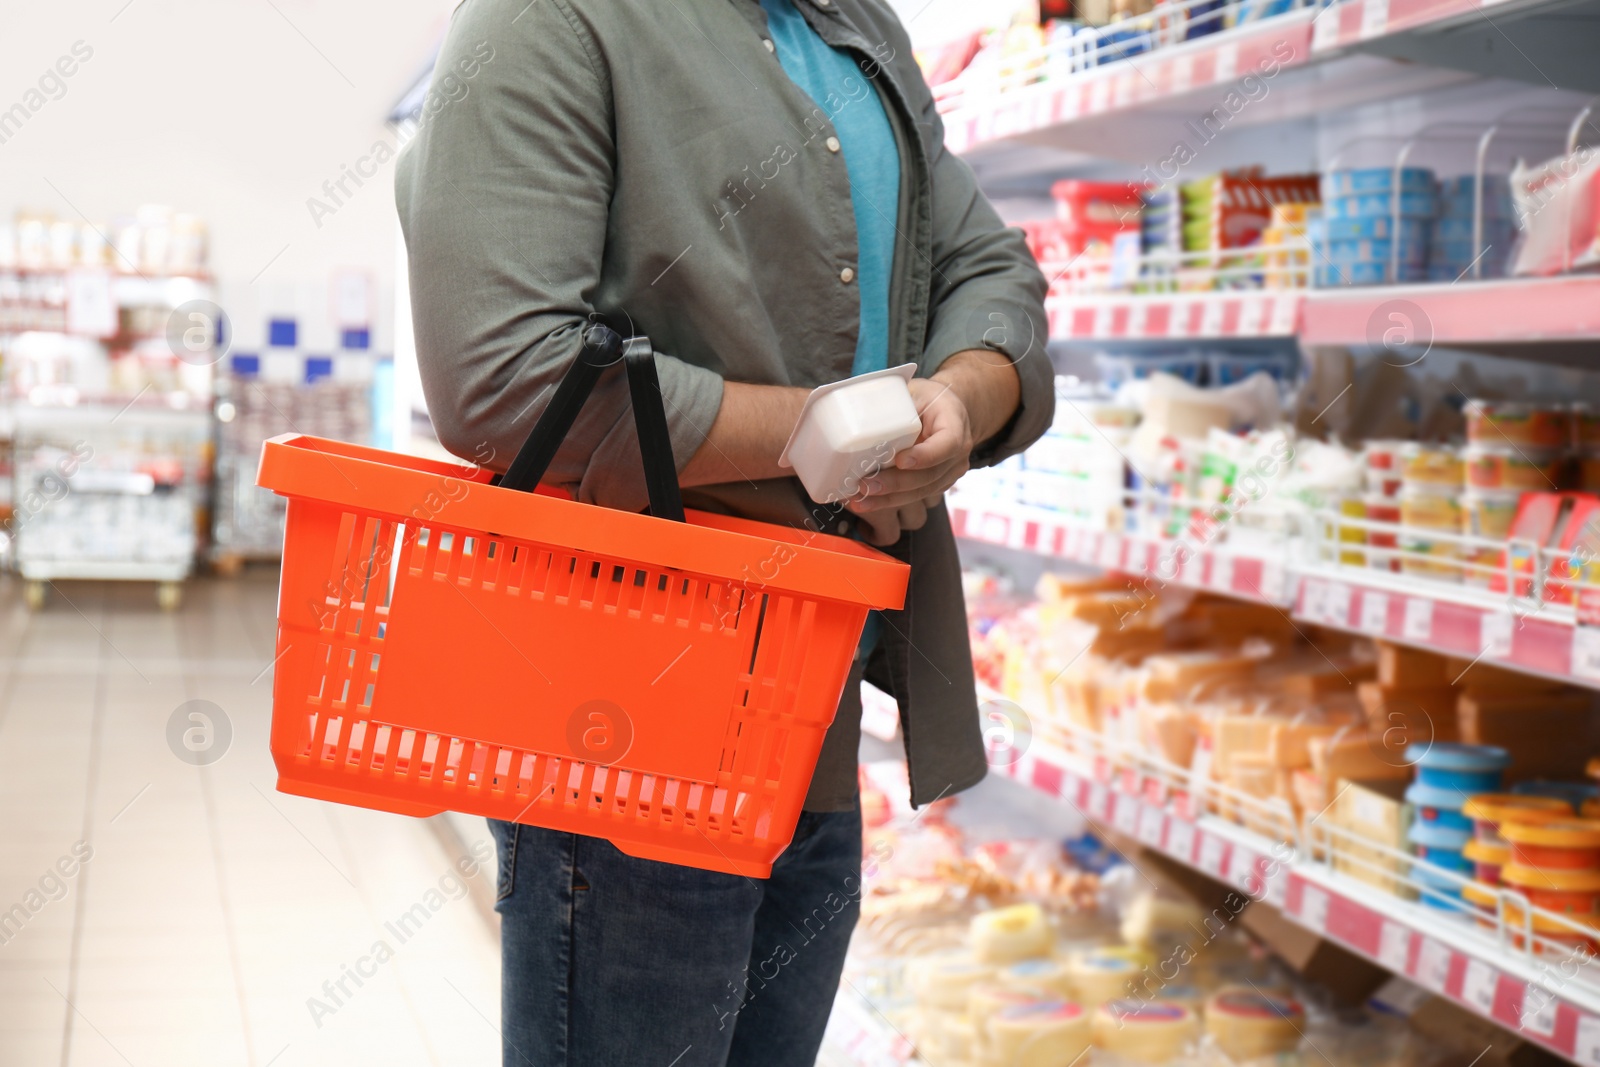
988,951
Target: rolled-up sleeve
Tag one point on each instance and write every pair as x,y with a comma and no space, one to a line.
987,292
504,192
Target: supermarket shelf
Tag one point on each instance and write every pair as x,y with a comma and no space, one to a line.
1050,534
1507,311
1451,957
1511,310
1333,57
1168,316
1143,81
1464,621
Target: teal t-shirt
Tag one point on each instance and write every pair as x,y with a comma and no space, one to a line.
847,96
871,158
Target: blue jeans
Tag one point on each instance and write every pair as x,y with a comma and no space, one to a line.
612,961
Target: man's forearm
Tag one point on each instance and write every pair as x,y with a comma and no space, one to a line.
987,383
751,428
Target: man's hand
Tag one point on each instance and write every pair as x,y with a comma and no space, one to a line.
884,527
968,400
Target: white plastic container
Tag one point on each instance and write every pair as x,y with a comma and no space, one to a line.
850,430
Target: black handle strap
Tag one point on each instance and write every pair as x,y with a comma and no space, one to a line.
602,348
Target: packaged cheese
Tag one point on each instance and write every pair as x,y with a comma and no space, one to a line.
1150,1031
943,980
1247,1024
1349,753
1006,935
1049,975
1101,974
1045,1034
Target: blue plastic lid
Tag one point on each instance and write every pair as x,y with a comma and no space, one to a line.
1432,796
355,339
245,365
1449,756
1440,837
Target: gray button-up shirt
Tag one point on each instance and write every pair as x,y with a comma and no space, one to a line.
648,163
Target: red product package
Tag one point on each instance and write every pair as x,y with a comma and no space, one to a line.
1241,204
1104,205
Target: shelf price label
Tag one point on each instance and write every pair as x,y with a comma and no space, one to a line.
1419,619
1478,986
1314,908
1252,313
1313,594
1586,652
1286,308
1180,839
1125,819
1433,964
1374,18
1099,94
1227,67
1110,551
1494,634
1221,573
1242,869
1138,318
1394,947
1274,583
1586,1046
1212,851
1336,604
1190,567
1152,821
1539,1010
1099,796
1182,73
1374,612
1211,317
1275,886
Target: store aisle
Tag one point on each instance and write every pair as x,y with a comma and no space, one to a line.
158,914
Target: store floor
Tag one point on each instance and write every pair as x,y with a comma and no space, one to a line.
216,922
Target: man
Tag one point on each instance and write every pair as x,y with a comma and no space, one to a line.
761,188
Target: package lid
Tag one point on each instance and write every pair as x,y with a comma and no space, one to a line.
1500,807
1452,756
1563,833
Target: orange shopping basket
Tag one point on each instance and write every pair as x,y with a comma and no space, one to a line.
447,641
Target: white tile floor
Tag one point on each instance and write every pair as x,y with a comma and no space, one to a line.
213,908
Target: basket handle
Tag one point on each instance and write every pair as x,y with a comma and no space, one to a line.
602,347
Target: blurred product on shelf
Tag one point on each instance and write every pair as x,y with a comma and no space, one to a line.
155,240
1020,49
280,391
1558,205
999,952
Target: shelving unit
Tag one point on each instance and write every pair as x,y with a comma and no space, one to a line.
1476,966
1444,84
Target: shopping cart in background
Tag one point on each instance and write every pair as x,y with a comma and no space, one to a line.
661,680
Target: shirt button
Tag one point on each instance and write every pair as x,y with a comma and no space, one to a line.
844,527
768,42
832,143
846,275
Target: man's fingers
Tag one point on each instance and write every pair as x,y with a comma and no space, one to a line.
883,527
941,442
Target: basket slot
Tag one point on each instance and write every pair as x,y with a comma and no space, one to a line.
755,641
